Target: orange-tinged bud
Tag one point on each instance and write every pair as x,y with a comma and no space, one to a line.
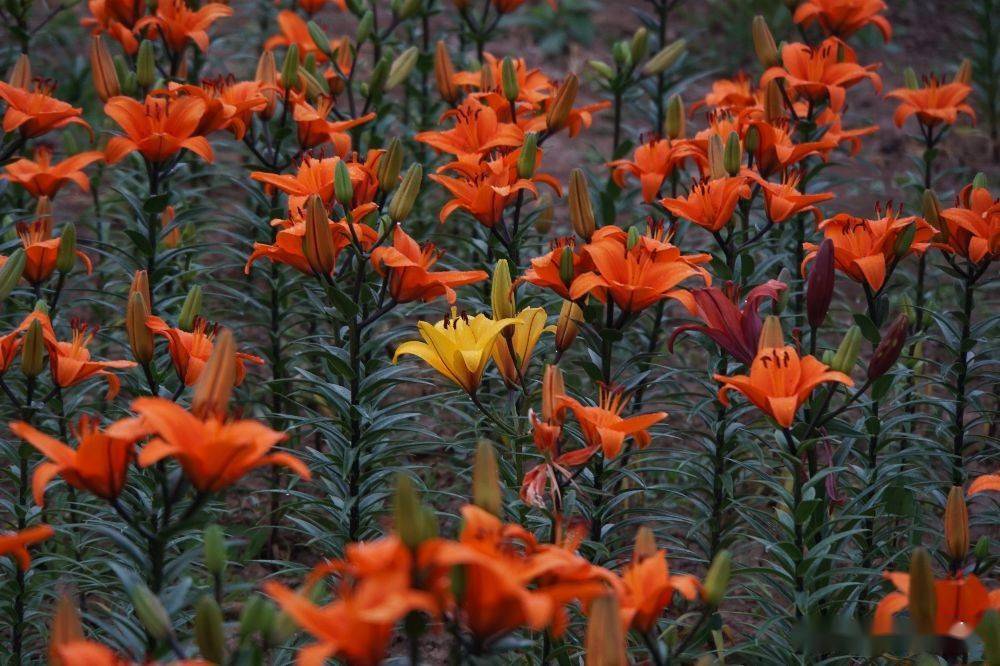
922,597
317,245
931,208
486,78
964,73
486,492
215,386
553,387
558,113
102,70
605,642
956,525
65,628
673,124
774,103
20,73
140,339
43,210
717,158
645,544
771,335
763,42
570,316
581,210
267,76
140,285
173,238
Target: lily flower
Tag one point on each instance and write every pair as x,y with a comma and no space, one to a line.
779,382
731,95
653,162
158,129
190,350
984,483
776,151
933,104
176,23
294,30
649,587
973,225
459,347
783,200
711,202
315,129
315,176
823,73
477,131
117,18
959,604
546,271
41,178
213,452
36,112
16,544
526,332
41,250
229,104
735,329
604,427
71,363
408,267
843,18
98,465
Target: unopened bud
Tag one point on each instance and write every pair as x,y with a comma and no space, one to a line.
602,69
66,255
290,68
257,616
922,596
102,70
401,67
639,44
65,628
215,385
632,239
343,188
716,157
956,526
317,244
208,630
558,114
820,284
140,338
717,578
570,316
848,351
528,156
414,522
406,195
665,58
622,55
774,102
888,350
910,79
566,269
267,76
502,292
979,181
380,73
771,335
904,241
319,38
964,72
673,125
365,25
11,272
145,65
553,389
33,350
763,43
508,79
931,208
20,73
732,156
645,544
389,166
581,210
150,611
214,550
444,73
486,492
605,641
191,309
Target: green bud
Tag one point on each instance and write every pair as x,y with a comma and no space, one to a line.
33,350
150,611
145,65
66,256
673,125
752,139
486,493
508,79
10,273
923,598
639,45
402,67
910,78
257,616
290,67
988,631
214,549
190,309
319,38
717,578
365,25
716,157
342,186
415,523
389,166
905,240
315,85
982,548
123,72
309,64
979,181
602,68
529,156
732,155
622,54
828,355
408,8
208,630
406,196
665,58
633,237
931,208
566,270
848,351
376,83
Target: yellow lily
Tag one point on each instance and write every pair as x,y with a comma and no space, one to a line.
528,328
459,346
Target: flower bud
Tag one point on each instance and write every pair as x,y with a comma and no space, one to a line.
406,195
414,522
389,166
317,244
566,269
267,76
848,351
633,238
570,316
20,73
922,596
290,68
931,208
763,43
65,628
553,388
208,630
956,526
665,58
716,158
751,141
717,578
319,38
376,82
407,9
402,67
33,350
910,79
145,65
605,641
486,492
190,309
214,550
602,69
774,102
364,29
343,188
140,339
979,181
543,220
732,156
528,156
257,616
558,113
819,284
645,544
11,271
508,79
673,125
622,54
215,385
486,80
988,631
964,72
639,44
150,611
581,210
102,69
444,73
66,254
771,335
315,86
889,348
502,292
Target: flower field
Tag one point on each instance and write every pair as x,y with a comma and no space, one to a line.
499,331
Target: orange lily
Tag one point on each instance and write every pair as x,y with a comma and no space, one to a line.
408,267
189,350
71,363
823,73
711,203
533,86
649,588
603,425
545,270
176,22
315,176
314,129
653,162
41,250
477,131
312,6
973,225
159,128
733,95
213,453
41,178
229,104
783,200
36,112
10,345
98,465
16,544
779,382
776,150
960,602
294,30
843,18
835,133
865,249
117,18
933,104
